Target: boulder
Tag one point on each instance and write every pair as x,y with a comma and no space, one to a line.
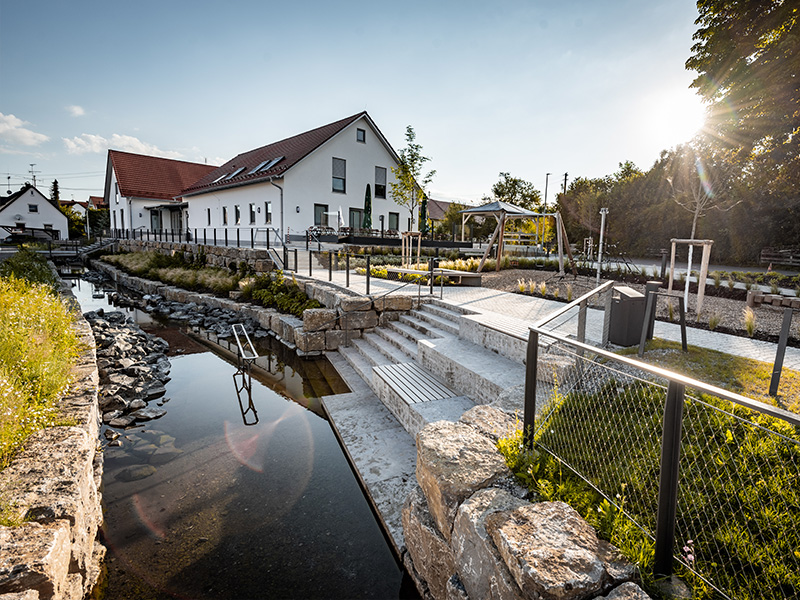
627,591
35,558
490,422
453,462
480,567
432,557
554,554
393,303
359,320
147,414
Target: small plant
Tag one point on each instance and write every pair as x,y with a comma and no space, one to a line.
682,277
797,291
555,292
543,288
688,553
655,272
569,292
731,283
531,286
671,310
773,287
521,286
714,321
749,321
643,271
717,277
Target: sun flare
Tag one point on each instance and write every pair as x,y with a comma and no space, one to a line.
674,117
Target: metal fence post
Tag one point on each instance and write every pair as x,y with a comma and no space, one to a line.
778,365
285,258
310,260
531,364
430,275
682,312
295,260
668,480
347,270
648,312
330,265
252,238
238,241
369,273
226,237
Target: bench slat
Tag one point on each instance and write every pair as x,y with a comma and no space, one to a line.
413,384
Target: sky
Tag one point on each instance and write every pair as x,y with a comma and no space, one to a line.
526,87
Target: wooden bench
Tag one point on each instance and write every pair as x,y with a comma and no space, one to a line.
467,278
412,383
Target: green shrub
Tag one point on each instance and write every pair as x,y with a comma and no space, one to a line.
37,351
275,291
30,266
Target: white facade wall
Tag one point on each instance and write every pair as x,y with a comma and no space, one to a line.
218,202
45,214
311,180
307,183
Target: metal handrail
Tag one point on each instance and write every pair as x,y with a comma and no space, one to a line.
243,350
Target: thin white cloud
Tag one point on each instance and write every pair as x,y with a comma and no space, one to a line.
89,143
13,132
75,110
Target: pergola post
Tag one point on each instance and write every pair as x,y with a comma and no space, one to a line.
701,284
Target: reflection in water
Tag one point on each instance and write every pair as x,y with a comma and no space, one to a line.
209,503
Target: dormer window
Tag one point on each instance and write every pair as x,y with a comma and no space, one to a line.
361,136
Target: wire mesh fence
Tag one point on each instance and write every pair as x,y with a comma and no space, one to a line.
737,515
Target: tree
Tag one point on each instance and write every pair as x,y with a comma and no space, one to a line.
76,223
747,56
410,184
517,191
55,195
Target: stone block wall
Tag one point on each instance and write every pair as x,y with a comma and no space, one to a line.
345,316
469,534
225,257
54,485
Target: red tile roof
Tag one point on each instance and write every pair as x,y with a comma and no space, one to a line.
142,176
292,150
97,202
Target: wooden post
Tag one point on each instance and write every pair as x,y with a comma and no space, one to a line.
701,283
671,268
500,242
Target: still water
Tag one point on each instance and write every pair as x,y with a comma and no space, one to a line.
229,510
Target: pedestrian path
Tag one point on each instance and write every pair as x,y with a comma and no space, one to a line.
532,309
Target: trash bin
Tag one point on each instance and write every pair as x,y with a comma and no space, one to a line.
627,317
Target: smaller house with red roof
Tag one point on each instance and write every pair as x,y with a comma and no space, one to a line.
145,192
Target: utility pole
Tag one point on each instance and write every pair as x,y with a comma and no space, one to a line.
603,213
565,183
546,177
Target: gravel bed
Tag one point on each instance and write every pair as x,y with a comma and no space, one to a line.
729,311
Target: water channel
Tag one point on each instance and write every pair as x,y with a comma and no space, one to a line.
267,509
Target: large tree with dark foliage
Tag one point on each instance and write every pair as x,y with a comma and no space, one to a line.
747,56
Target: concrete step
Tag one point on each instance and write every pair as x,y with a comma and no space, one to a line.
443,312
358,362
370,350
407,331
469,369
427,329
381,350
401,343
450,307
443,323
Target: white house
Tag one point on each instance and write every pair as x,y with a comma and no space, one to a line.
314,178
29,211
144,192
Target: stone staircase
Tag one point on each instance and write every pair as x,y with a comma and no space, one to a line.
424,370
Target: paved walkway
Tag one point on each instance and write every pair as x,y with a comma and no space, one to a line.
531,309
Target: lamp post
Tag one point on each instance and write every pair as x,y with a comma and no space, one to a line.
603,213
546,178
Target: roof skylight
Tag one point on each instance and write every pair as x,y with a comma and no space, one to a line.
235,173
266,165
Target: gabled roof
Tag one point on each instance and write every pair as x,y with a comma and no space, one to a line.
437,209
97,202
141,176
274,160
6,201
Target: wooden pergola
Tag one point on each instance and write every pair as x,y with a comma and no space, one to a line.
502,212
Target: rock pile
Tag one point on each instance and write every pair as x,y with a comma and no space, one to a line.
470,534
133,369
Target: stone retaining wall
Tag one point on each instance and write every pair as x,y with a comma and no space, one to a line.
344,317
54,485
225,257
470,534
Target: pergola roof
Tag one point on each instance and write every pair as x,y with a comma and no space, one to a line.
512,211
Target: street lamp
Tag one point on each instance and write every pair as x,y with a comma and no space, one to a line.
603,213
546,178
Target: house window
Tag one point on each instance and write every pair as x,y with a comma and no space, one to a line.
48,225
33,208
267,212
122,218
252,214
339,175
208,216
394,221
321,215
115,218
356,218
237,215
116,193
361,136
380,182
224,215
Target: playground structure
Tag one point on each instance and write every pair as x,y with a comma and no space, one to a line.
503,212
